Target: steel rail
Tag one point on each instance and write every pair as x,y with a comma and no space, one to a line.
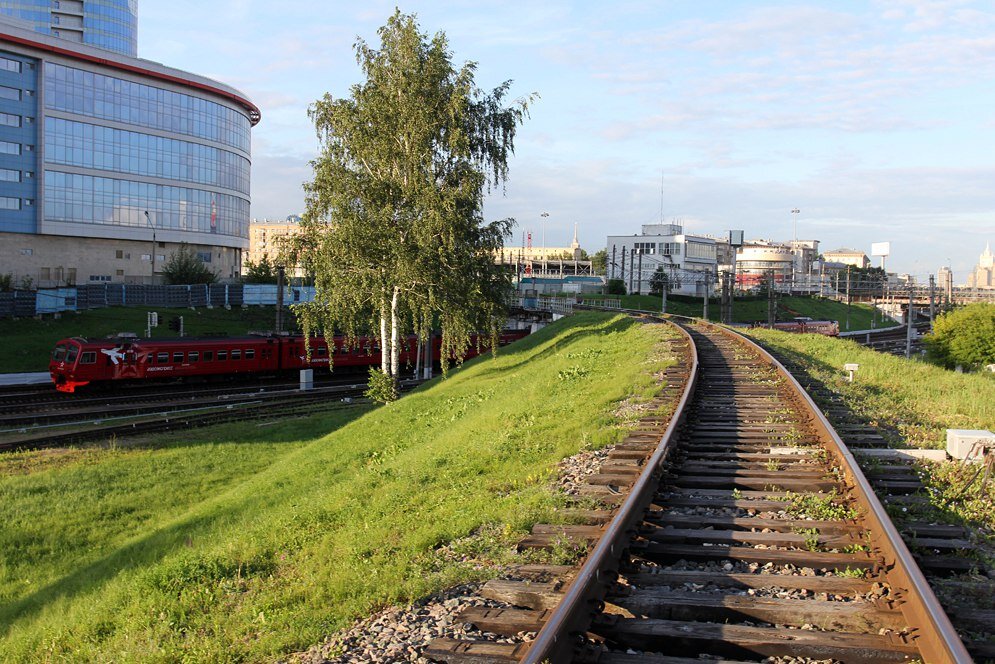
554,641
920,607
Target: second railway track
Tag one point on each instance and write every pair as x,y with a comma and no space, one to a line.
751,534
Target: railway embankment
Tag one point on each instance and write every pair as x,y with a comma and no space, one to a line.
258,539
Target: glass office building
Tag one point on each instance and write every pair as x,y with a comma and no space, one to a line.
102,151
107,24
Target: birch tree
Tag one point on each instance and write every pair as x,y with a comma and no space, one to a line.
393,229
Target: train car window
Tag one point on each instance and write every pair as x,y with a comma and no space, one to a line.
222,355
236,355
250,353
321,351
89,357
178,357
59,353
193,356
208,355
73,352
163,358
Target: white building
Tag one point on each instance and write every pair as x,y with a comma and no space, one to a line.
688,260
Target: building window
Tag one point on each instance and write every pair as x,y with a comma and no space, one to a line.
10,203
645,247
6,147
28,202
6,64
204,256
10,120
146,257
670,248
9,175
45,273
27,252
10,93
118,253
119,273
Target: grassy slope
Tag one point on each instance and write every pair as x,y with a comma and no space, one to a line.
346,523
29,342
912,402
749,310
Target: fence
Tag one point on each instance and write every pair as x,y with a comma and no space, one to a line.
27,304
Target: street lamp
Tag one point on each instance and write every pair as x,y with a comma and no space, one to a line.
153,244
542,222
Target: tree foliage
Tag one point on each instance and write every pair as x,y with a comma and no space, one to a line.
616,287
964,336
393,229
262,272
599,261
185,267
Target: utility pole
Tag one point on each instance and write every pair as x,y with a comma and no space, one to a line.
624,252
614,264
632,266
665,287
279,298
932,305
704,307
908,325
639,279
848,298
771,302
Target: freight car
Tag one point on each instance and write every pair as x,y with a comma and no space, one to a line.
77,361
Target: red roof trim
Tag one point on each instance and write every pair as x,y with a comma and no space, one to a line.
253,110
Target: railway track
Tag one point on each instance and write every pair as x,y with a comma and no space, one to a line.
740,529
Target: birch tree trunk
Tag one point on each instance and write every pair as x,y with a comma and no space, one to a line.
384,343
395,336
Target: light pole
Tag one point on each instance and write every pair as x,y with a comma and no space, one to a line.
794,216
148,219
542,222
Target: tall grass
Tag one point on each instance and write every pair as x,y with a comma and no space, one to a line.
277,556
921,399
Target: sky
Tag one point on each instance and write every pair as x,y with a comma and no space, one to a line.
875,119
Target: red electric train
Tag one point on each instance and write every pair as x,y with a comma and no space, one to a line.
76,362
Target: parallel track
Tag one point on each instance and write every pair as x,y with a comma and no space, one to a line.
751,534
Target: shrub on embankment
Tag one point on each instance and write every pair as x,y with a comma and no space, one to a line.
334,528
964,336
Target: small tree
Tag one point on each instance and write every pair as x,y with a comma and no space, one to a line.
616,287
262,272
599,261
185,267
663,279
964,336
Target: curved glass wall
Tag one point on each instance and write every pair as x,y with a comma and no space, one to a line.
107,24
87,199
108,98
105,148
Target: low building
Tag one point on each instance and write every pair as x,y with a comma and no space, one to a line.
689,261
267,236
847,257
759,260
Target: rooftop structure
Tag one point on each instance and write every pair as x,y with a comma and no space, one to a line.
106,24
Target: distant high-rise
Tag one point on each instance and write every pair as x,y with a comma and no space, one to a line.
106,24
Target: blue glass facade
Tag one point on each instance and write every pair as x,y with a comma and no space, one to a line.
107,24
104,148
109,98
87,199
18,143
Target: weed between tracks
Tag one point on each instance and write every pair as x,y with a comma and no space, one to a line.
250,542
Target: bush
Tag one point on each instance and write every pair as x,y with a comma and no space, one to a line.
616,287
184,267
964,336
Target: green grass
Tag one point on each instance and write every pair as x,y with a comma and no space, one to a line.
750,309
29,342
216,551
911,403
